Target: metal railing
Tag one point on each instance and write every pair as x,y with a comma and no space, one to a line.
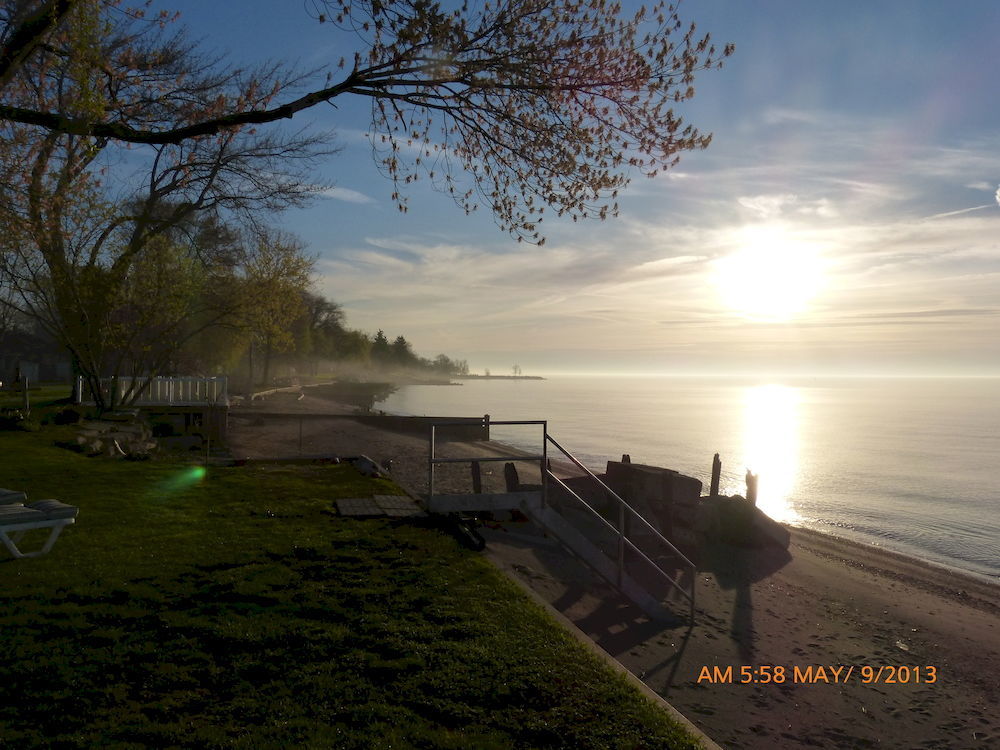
433,460
624,511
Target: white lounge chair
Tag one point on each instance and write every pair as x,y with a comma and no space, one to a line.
16,519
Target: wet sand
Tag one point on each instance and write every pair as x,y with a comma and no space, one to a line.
779,615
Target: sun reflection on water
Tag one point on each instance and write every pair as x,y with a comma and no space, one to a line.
770,446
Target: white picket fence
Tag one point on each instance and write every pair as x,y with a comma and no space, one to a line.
167,390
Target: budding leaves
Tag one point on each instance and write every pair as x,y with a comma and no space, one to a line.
540,103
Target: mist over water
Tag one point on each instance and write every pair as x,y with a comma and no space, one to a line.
909,464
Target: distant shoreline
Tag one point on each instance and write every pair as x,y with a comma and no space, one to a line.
498,377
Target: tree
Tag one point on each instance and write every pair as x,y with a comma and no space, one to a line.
381,353
272,294
84,224
545,103
401,353
319,329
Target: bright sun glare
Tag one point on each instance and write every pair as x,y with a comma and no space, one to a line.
771,428
771,277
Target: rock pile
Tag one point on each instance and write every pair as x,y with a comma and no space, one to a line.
116,439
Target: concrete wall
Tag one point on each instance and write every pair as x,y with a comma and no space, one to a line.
664,496
207,421
472,428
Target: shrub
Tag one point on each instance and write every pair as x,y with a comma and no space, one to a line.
67,415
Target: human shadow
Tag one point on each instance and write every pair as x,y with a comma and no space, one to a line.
736,568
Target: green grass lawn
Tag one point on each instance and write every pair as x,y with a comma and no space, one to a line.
233,608
12,397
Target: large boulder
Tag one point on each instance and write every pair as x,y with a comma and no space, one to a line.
735,520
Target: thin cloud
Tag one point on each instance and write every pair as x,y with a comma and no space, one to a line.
961,210
767,206
348,195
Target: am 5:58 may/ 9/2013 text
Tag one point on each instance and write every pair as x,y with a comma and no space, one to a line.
813,674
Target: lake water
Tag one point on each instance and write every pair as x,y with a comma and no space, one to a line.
910,464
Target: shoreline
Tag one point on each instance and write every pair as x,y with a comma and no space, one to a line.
901,556
319,406
846,535
966,586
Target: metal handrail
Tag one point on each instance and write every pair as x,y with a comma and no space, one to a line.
631,545
433,461
622,539
490,422
483,459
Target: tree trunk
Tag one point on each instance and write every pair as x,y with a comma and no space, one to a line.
266,375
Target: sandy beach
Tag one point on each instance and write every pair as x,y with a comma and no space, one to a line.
910,653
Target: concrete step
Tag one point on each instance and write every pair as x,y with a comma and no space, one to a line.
558,526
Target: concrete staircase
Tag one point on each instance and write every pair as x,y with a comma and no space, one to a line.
594,523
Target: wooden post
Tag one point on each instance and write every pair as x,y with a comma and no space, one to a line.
510,477
430,465
752,487
27,400
716,474
300,435
477,477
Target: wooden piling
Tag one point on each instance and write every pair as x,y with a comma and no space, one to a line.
477,477
752,487
716,474
511,479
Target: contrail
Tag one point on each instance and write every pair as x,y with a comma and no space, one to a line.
959,211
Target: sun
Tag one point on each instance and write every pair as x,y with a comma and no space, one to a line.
771,276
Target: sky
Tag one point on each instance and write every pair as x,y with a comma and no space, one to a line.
844,219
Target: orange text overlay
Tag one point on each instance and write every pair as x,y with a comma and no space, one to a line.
813,674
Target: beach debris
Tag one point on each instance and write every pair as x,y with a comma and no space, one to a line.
365,466
902,646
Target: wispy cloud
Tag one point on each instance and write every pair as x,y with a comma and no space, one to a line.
904,276
348,195
960,211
